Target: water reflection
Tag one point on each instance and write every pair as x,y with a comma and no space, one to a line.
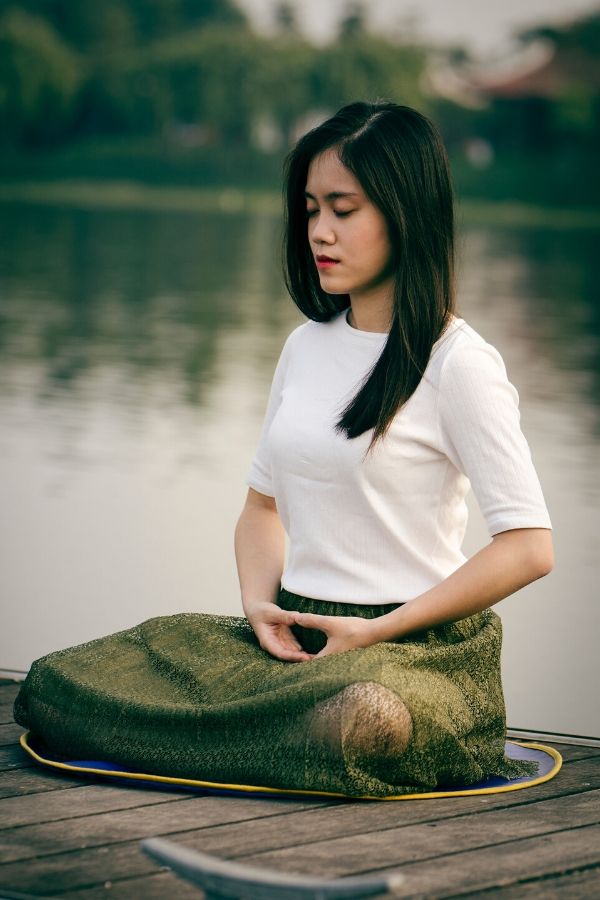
136,352
558,286
148,294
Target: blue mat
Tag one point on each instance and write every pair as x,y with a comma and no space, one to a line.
548,759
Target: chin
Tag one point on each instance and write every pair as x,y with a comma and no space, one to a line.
334,289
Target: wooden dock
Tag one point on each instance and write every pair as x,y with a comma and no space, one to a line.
65,837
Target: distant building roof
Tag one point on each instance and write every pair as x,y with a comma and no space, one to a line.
538,67
551,77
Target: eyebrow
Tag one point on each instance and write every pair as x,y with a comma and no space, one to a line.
333,195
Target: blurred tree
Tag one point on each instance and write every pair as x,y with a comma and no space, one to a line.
40,77
285,99
368,66
207,76
90,26
284,16
163,18
85,26
352,22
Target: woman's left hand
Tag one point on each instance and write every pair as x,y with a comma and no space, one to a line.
342,632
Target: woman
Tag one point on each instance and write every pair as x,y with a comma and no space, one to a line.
385,407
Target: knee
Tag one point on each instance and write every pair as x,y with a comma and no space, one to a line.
375,722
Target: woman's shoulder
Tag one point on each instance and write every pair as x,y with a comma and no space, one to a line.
467,365
462,346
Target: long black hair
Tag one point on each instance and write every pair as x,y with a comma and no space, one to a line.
399,158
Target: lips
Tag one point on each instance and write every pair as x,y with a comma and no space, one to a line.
326,262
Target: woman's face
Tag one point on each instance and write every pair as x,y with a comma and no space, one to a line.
346,226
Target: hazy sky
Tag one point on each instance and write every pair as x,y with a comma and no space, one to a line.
484,27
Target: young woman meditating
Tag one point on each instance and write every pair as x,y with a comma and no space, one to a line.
369,661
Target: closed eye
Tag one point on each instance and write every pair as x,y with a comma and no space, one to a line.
340,215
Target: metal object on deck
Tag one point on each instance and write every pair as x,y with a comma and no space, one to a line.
222,878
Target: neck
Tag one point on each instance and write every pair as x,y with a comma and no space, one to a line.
370,314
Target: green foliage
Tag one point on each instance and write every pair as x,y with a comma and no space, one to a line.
223,78
40,78
96,26
575,111
365,66
187,71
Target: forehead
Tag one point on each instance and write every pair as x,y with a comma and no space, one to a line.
328,177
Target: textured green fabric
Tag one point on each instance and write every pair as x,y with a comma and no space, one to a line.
194,695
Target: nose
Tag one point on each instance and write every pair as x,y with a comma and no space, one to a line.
321,228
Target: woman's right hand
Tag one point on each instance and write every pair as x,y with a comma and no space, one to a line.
271,625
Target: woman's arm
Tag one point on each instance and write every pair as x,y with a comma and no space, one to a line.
259,549
260,552
513,559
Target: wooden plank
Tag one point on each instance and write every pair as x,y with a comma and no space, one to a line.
161,886
408,843
10,734
573,751
91,799
576,781
8,692
449,876
477,871
404,842
576,886
93,866
20,782
79,870
576,776
102,829
581,885
234,840
326,820
59,872
14,757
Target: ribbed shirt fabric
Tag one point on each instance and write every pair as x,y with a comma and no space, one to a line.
386,528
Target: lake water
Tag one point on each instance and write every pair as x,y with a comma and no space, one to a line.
136,352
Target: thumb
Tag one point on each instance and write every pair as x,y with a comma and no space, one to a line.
311,620
285,616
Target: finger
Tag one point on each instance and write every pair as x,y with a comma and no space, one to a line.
290,643
285,617
280,651
279,634
312,620
293,656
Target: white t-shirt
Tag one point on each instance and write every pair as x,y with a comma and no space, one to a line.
388,528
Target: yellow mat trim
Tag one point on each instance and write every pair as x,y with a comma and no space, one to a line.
250,788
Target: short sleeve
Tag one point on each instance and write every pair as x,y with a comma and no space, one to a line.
259,477
479,421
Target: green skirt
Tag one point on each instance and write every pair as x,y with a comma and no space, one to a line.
195,696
